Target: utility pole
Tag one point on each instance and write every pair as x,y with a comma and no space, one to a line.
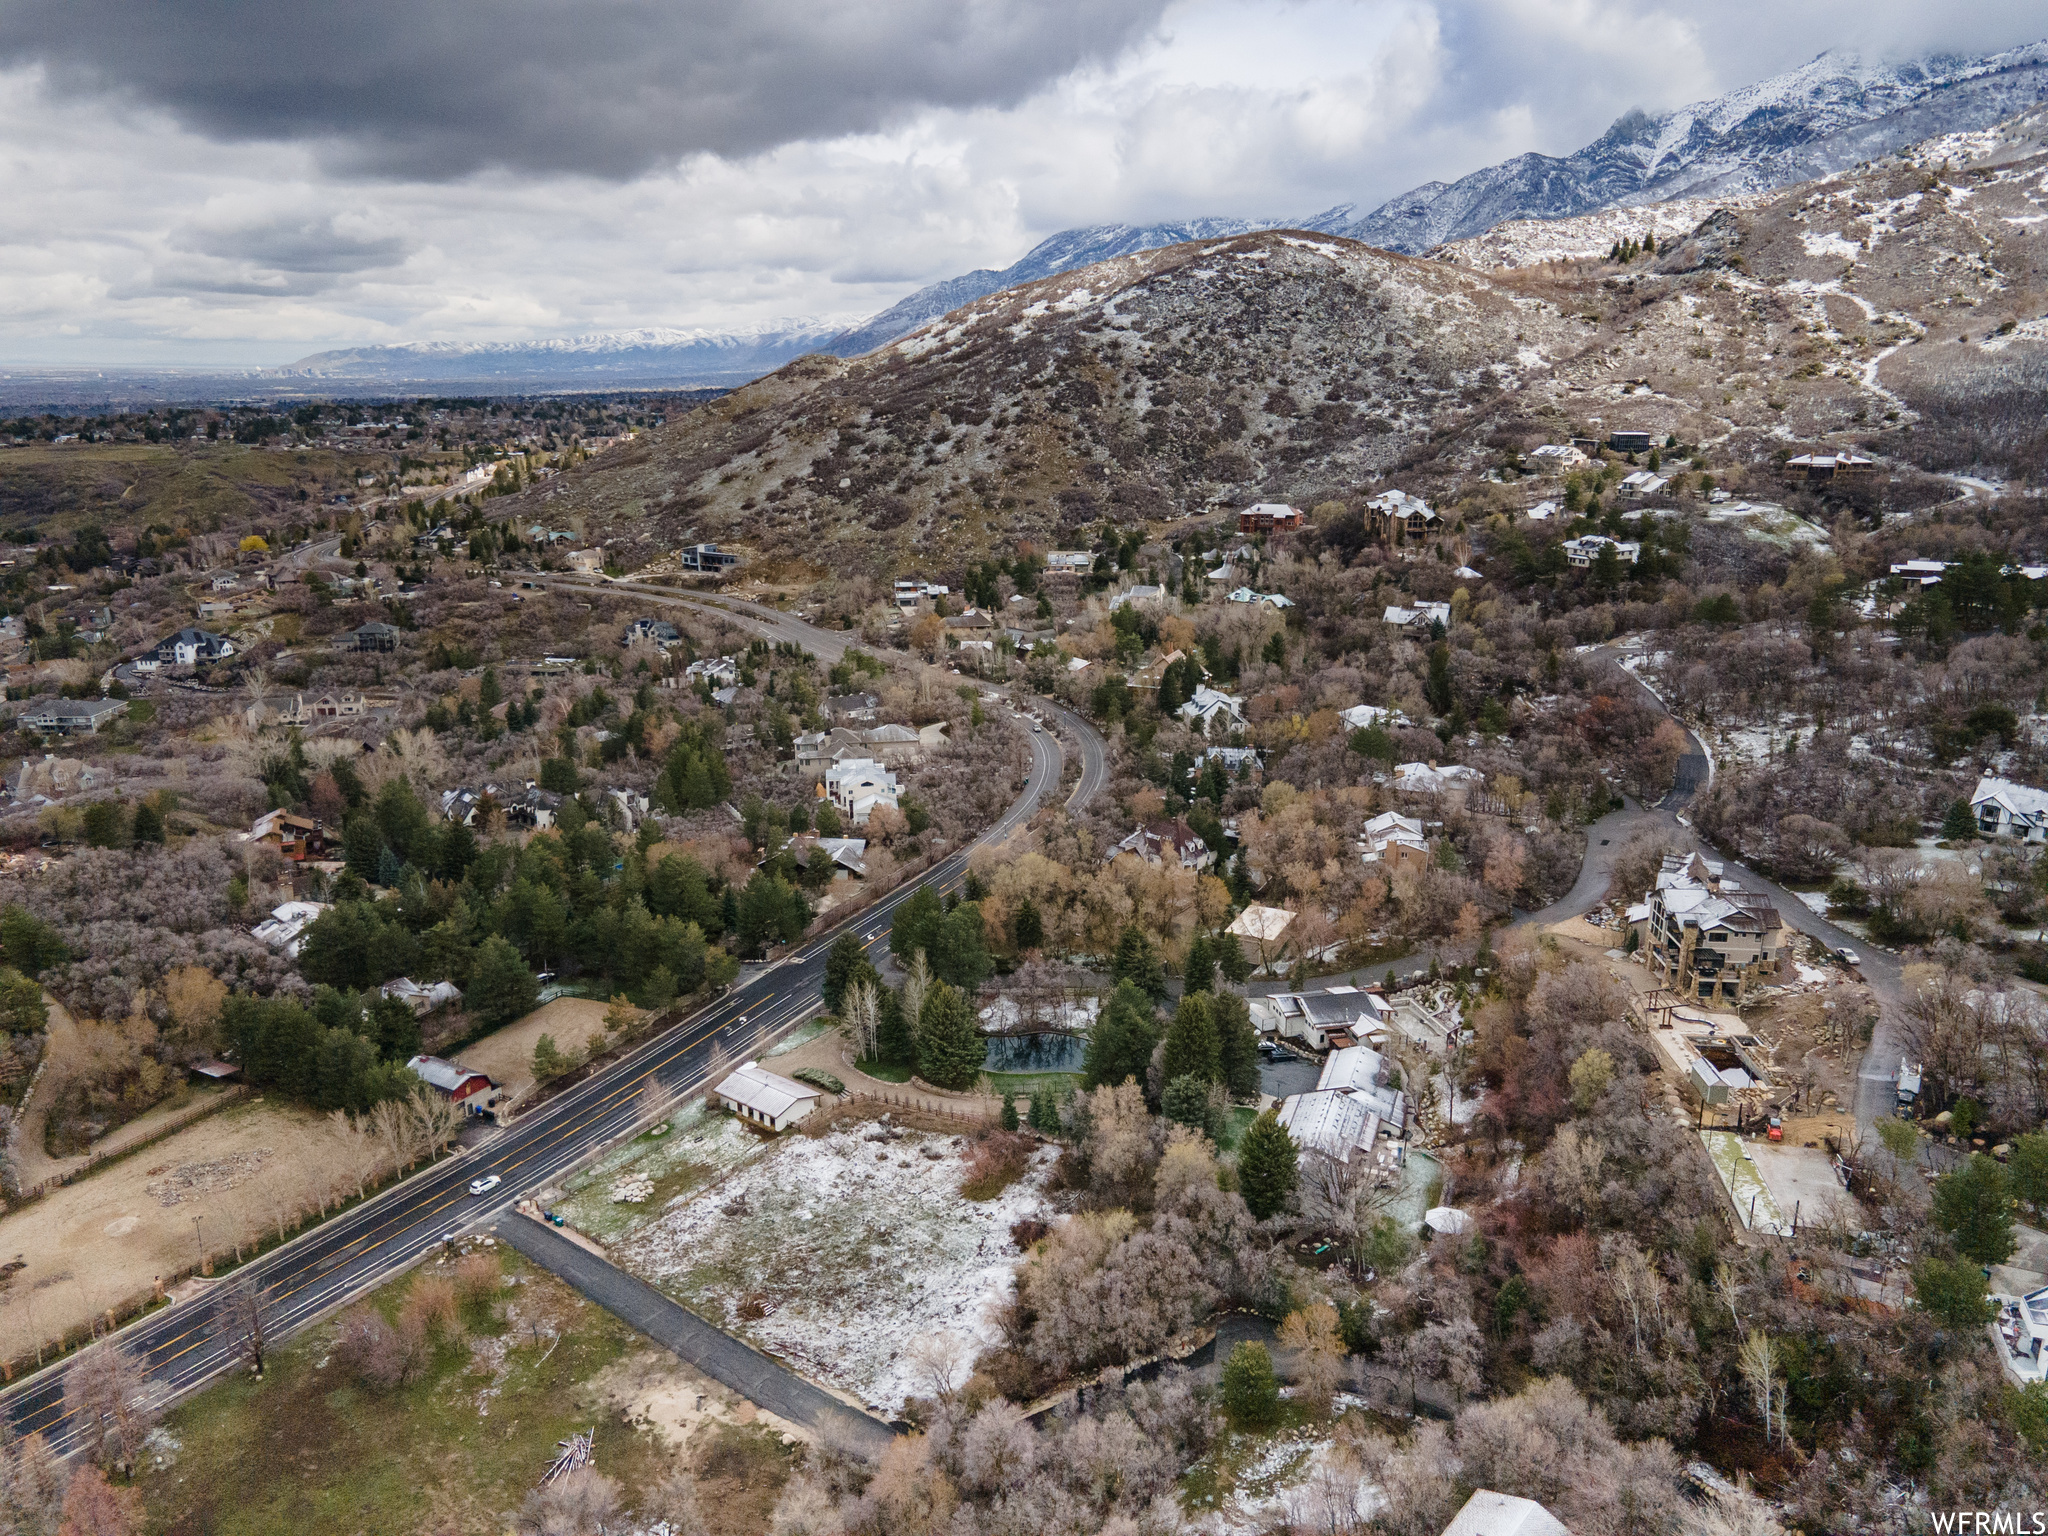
200,1243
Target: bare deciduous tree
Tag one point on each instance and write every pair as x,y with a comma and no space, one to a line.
244,1316
109,1396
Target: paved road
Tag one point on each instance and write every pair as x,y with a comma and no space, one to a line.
770,623
185,1345
711,1350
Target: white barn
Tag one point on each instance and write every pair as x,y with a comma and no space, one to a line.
765,1098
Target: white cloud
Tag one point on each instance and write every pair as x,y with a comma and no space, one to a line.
134,230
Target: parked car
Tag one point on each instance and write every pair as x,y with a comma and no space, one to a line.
1848,956
485,1185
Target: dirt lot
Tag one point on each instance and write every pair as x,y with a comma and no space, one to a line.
507,1055
103,1240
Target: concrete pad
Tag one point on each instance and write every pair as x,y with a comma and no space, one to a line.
1802,1181
1756,1207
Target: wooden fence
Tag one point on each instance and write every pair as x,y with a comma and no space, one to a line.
905,1102
169,1128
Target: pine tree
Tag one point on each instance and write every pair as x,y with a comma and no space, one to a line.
1120,1046
846,964
1231,961
1198,971
1045,1113
1267,1166
1009,1120
915,923
1027,928
1137,962
1185,1101
1973,1204
1251,1392
950,1047
894,1045
1191,1045
1237,1044
149,826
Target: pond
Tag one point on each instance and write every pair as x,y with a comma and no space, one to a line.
1036,1053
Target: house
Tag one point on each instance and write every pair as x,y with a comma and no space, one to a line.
1429,779
297,837
1333,1124
893,744
51,777
216,610
909,593
421,1000
1362,1073
1235,760
855,786
970,618
1266,928
631,807
225,581
374,636
586,560
1583,551
1629,442
1270,599
851,706
818,750
1162,842
766,1099
286,926
2020,1332
1643,483
1395,841
1705,936
2006,809
659,632
706,557
1820,468
1329,1019
1488,1513
714,670
1359,716
847,854
70,717
189,647
536,808
474,1091
1138,594
1420,619
1270,517
1923,572
1397,515
1069,560
1543,511
1557,456
1209,704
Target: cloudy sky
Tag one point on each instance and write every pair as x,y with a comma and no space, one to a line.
219,182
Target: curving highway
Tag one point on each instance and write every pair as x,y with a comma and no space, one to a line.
186,1344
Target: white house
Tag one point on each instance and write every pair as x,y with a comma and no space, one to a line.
421,999
286,926
1137,594
189,647
856,785
1543,511
1643,482
1558,456
1430,779
1248,595
1583,551
765,1098
1362,1072
1320,1021
1360,716
2020,1332
1488,1513
1421,617
2006,809
1208,703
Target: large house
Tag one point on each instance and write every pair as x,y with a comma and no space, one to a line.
855,786
1705,936
1420,619
474,1091
765,1098
297,837
2006,809
1330,1019
706,557
1395,841
655,631
286,926
1582,552
374,636
1432,779
1208,704
1396,513
1163,842
70,717
1349,1107
1488,1513
1823,467
1270,517
188,648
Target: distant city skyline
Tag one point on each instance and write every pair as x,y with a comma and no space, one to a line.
191,185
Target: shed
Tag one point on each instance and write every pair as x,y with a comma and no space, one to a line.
765,1098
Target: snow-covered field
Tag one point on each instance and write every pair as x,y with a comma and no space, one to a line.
858,1255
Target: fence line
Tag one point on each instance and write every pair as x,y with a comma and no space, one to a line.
96,1160
918,1106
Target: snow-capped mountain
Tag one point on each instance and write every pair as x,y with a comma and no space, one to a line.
643,358
1829,114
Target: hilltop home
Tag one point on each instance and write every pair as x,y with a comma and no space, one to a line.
374,636
857,785
1397,514
189,647
1629,442
298,838
706,557
70,717
2006,809
1583,551
1269,517
659,632
1421,618
1159,842
1820,468
1705,936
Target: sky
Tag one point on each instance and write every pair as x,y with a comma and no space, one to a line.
223,183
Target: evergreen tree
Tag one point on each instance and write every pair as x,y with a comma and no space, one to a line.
389,868
1251,1391
1267,1166
915,923
1438,689
1045,1113
845,965
362,844
950,1047
1237,1044
1027,928
1137,962
148,830
1009,1117
1191,1045
1958,825
959,950
488,693
1120,1045
1198,972
1974,1205
501,988
1231,959
1185,1101
1952,1292
894,1042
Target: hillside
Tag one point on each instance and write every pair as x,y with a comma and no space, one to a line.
1288,366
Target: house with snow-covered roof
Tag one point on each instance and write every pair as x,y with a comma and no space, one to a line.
1703,935
765,1098
2006,809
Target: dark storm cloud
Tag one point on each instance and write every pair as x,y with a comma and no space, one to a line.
610,89
313,245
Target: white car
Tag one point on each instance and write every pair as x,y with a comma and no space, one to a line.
484,1185
1848,956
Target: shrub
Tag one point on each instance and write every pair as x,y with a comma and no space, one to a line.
997,1161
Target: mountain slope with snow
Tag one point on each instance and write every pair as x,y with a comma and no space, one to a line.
1831,113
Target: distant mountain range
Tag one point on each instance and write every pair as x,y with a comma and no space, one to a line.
1828,115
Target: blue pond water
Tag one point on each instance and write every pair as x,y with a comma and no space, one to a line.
1036,1053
